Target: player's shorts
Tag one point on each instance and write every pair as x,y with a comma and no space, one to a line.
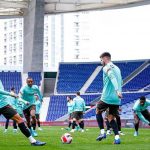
70,116
112,109
28,110
78,115
8,112
145,113
37,116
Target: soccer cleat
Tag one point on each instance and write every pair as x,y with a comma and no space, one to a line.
72,130
117,141
5,130
40,129
121,133
108,132
101,136
38,143
136,133
34,133
82,130
15,131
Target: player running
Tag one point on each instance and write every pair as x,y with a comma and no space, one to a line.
111,96
9,113
78,108
141,113
27,93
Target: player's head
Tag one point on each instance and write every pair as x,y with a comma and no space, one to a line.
78,94
29,81
12,89
142,100
69,98
105,58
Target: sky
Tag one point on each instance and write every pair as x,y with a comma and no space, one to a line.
125,33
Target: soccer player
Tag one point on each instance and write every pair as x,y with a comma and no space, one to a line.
13,103
27,93
38,104
78,108
111,96
70,111
8,112
141,113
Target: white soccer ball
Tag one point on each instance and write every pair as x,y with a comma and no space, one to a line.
66,138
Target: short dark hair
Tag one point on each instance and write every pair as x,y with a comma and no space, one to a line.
105,54
78,93
142,98
12,89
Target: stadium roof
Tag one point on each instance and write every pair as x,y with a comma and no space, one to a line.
18,7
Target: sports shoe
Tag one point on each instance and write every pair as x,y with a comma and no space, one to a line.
40,129
34,133
136,133
108,132
121,133
38,143
101,136
82,130
117,141
15,131
5,130
72,130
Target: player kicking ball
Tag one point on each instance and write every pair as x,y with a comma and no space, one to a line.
111,96
9,113
141,113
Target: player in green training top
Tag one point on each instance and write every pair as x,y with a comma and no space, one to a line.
111,96
141,113
9,113
28,93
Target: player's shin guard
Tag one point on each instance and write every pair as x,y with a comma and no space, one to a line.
81,124
6,124
24,129
108,125
14,124
74,124
114,126
38,122
69,125
136,126
100,121
34,123
118,122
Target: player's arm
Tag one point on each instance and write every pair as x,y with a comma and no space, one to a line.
39,94
22,100
3,92
142,118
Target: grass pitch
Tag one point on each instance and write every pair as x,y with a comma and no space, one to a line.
81,141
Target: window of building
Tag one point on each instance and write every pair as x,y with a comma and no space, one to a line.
15,35
10,60
10,48
14,47
5,60
5,26
20,23
15,23
10,36
10,23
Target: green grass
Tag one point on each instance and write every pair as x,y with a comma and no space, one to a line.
81,141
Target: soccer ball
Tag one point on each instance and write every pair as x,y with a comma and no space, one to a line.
66,138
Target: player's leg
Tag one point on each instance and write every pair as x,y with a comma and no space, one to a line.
101,106
6,125
107,126
118,120
14,126
113,111
10,113
74,124
38,121
27,117
33,117
81,121
136,124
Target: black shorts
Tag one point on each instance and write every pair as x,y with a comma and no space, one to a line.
8,112
78,115
27,111
112,109
145,113
37,116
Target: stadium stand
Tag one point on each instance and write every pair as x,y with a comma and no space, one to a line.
72,77
11,79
